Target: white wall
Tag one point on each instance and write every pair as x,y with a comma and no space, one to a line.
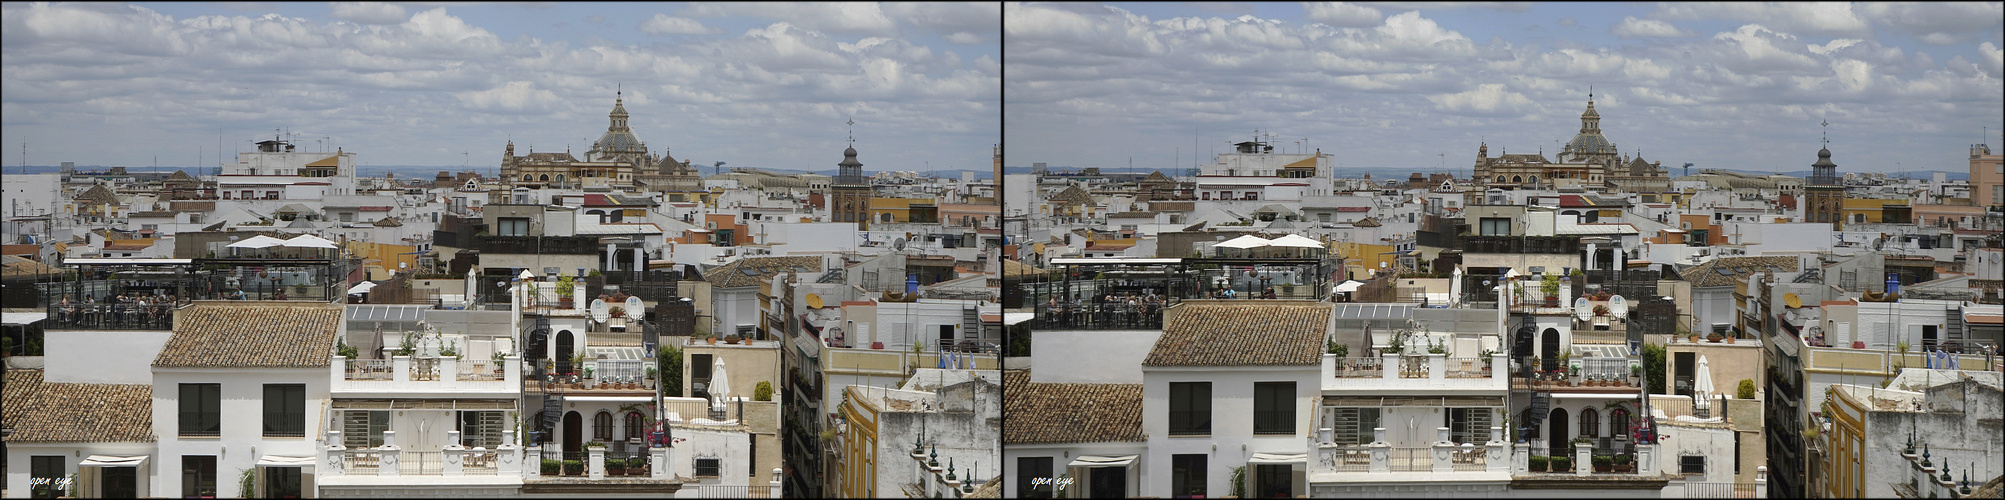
242,440
1714,443
1063,453
19,460
1093,357
123,357
1231,441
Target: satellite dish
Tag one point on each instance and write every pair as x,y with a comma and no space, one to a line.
1581,309
635,309
599,310
1618,306
814,301
1792,300
898,244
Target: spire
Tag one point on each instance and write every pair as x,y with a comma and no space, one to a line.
852,131
1826,133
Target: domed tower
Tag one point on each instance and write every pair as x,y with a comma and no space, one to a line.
618,143
1589,146
1824,193
851,202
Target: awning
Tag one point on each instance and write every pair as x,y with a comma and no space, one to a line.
1100,461
361,288
1278,458
113,461
611,399
27,318
1347,286
278,461
1014,318
259,241
309,241
423,404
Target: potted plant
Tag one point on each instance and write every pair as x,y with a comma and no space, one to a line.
1562,464
577,362
618,316
451,349
1550,287
498,358
1623,464
732,339
1338,348
1715,337
1600,309
1541,463
1436,347
1488,356
340,346
1636,374
1604,463
565,285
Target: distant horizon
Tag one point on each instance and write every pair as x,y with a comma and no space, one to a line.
363,171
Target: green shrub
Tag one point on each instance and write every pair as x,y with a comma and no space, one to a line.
1339,348
1562,463
763,391
1604,460
1746,390
1539,462
550,467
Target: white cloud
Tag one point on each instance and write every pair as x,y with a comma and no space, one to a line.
1568,21
1995,55
368,12
1343,14
1855,74
1504,6
1938,23
1811,18
1631,27
849,18
1833,46
664,24
1489,97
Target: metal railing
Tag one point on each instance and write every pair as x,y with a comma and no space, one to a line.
1100,316
112,316
620,462
1413,367
1468,368
1470,458
363,461
285,424
201,423
1720,490
620,370
421,463
1345,458
472,370
1412,459
731,491
479,462
1360,367
367,369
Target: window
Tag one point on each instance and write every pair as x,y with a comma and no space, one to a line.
946,336
198,476
271,195
511,226
707,467
1496,226
1273,407
1190,408
282,482
226,195
201,409
1252,195
348,217
1469,425
1618,423
1692,464
47,475
285,409
1736,453
1590,423
1323,217
1029,468
364,428
1275,480
1187,476
149,227
245,194
636,426
1354,426
481,428
602,426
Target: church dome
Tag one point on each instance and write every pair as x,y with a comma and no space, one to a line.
851,153
1588,143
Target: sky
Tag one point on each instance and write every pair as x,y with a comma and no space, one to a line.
1729,85
754,85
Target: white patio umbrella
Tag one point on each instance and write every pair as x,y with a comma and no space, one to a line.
361,288
1702,389
1296,241
1247,242
309,241
259,241
720,386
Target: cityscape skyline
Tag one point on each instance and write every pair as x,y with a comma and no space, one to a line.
1733,86
451,85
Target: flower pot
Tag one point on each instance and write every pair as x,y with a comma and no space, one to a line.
1730,340
712,340
1552,301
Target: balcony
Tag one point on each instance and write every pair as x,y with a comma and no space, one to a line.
353,466
426,375
1397,373
1379,456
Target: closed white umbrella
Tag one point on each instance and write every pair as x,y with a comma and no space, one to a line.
719,384
1702,389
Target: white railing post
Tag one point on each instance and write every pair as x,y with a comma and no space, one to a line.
1582,460
532,462
1521,458
1444,451
1381,452
1761,481
1494,452
511,366
774,484
1646,459
1389,366
448,372
400,369
333,456
387,466
660,461
1326,435
508,455
1500,371
1437,367
596,469
338,372
451,456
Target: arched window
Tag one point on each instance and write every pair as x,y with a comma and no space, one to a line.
1517,179
1534,179
1618,422
602,426
1590,423
527,178
544,178
1499,178
560,178
635,428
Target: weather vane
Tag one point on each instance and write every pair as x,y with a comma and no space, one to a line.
852,131
1827,133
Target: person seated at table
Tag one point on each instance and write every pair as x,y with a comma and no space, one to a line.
279,296
237,295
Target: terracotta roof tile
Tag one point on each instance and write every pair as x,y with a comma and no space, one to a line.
1727,271
1241,333
760,268
43,412
1069,413
252,334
